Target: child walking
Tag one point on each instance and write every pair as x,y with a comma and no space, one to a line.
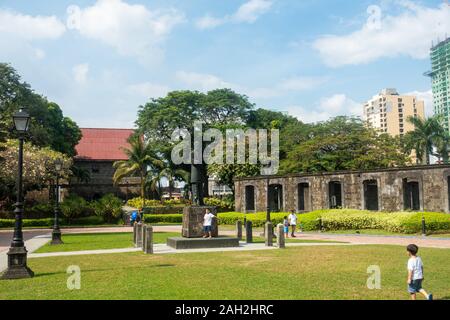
286,227
415,273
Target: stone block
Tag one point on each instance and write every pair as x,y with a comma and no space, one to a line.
139,236
239,230
201,243
148,243
281,241
268,228
249,232
193,222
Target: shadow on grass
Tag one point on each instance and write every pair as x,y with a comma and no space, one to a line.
443,298
48,274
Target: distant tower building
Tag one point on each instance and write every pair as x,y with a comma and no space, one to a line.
440,76
388,112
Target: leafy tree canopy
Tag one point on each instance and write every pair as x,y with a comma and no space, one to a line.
48,127
344,144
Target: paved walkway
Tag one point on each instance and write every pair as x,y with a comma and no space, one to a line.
164,249
382,240
31,245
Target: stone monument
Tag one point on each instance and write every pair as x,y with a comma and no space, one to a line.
192,231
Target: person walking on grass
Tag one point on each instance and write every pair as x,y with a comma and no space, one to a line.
415,273
286,227
207,224
293,222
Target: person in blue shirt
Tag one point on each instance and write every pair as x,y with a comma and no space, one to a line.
133,218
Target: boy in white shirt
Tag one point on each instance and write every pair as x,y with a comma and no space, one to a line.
207,224
293,222
415,273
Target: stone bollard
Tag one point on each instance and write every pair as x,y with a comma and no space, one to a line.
281,242
239,230
148,243
268,234
144,226
138,235
134,233
249,232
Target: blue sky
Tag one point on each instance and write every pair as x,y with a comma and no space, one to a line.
101,59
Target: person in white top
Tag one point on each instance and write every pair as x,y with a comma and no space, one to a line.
415,274
207,224
293,222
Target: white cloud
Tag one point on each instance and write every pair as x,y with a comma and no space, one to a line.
202,82
148,90
30,28
133,30
19,32
207,82
407,34
248,12
209,22
39,54
328,107
80,73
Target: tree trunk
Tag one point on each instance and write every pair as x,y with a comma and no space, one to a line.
143,190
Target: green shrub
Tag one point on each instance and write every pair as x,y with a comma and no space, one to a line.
174,202
139,203
163,210
109,207
85,221
163,218
220,204
347,219
48,222
73,207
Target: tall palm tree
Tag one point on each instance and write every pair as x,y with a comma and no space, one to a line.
81,175
442,143
425,135
173,174
141,157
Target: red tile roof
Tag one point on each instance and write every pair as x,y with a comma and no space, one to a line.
103,144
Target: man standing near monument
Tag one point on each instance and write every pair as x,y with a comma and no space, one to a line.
207,224
293,222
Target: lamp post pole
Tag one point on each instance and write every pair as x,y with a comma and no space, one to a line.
17,254
56,233
268,200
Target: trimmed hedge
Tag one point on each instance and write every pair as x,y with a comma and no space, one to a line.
163,210
401,222
48,222
163,218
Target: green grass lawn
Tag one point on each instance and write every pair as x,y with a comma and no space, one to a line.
293,273
98,241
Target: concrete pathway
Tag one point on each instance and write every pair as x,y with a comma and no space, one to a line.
425,242
164,249
31,245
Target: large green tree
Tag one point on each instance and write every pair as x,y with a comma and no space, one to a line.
343,144
159,118
49,127
38,167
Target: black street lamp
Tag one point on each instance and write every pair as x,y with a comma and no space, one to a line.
17,254
56,233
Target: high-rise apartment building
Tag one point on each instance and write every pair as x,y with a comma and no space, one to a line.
388,112
440,76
